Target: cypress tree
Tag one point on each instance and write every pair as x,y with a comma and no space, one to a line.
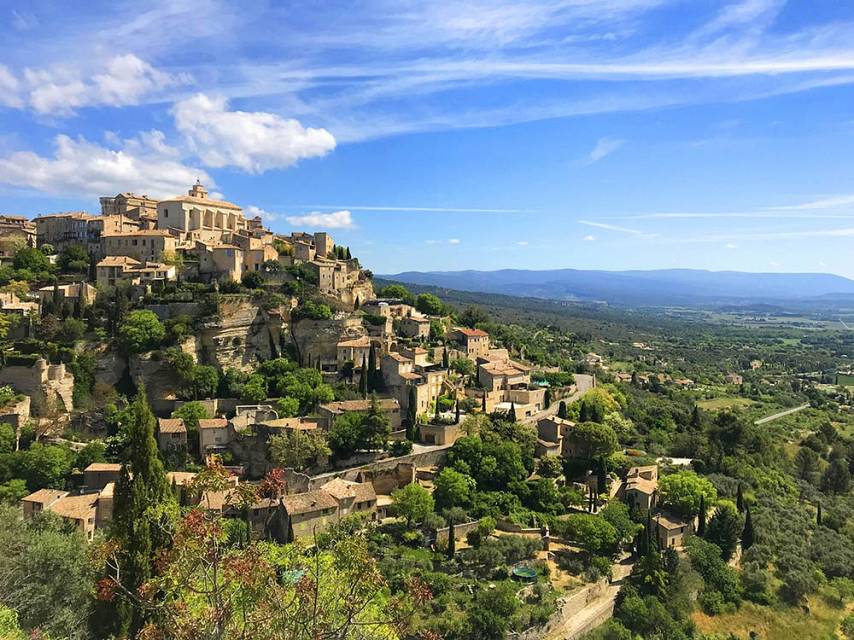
635,381
446,363
695,418
561,410
652,538
356,304
437,410
747,536
701,517
411,413
739,499
372,368
547,399
347,254
483,402
452,540
512,413
818,515
143,503
457,412
363,379
583,414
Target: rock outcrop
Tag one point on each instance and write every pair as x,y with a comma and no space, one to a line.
242,335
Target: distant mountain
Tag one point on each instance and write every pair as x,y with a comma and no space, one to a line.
658,287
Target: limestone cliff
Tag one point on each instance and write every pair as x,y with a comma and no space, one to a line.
318,339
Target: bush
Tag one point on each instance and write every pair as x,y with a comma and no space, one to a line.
141,331
400,448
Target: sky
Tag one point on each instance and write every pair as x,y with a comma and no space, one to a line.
454,134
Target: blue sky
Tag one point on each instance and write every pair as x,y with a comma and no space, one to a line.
613,134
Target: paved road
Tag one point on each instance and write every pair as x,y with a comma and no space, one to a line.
583,384
781,414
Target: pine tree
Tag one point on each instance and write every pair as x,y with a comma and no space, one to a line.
739,499
372,368
695,418
747,535
701,517
818,515
143,505
411,413
457,412
511,415
363,379
547,399
561,410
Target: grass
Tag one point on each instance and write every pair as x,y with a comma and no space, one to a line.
726,402
779,622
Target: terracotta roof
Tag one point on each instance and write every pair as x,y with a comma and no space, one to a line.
399,358
668,521
504,368
642,485
291,423
104,466
76,507
471,333
309,502
637,471
222,204
78,215
212,423
362,341
119,261
339,488
408,375
45,496
386,404
171,425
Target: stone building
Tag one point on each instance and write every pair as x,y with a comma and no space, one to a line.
70,228
473,343
390,407
73,293
112,269
49,386
195,216
145,246
171,434
131,205
15,231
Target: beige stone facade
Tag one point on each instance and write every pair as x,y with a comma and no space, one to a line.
145,246
199,217
113,269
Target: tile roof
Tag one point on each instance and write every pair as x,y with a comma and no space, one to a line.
104,466
291,423
642,485
386,404
471,333
119,261
45,496
76,507
362,341
171,425
669,521
308,502
212,423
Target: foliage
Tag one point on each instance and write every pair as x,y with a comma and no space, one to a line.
724,528
141,331
453,489
592,533
681,492
191,413
429,304
413,502
298,449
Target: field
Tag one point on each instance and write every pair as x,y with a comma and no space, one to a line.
845,380
724,402
777,622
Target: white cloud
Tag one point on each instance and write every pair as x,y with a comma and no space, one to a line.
522,243
85,168
823,203
253,141
589,238
126,80
453,241
335,220
9,89
730,245
251,211
604,147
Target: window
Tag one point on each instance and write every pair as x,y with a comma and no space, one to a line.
166,213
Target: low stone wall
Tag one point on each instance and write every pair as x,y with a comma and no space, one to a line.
569,606
16,413
460,531
512,527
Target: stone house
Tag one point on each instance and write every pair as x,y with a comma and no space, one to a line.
328,412
198,217
70,293
65,229
11,304
219,260
214,433
149,245
474,343
439,434
672,530
641,488
734,378
353,350
49,386
498,375
415,327
15,231
555,434
99,474
114,268
80,510
309,513
131,205
171,434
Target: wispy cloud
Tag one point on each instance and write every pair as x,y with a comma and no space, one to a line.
618,229
316,219
604,147
822,203
412,209
589,238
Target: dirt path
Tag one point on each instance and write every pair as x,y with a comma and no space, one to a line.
782,414
583,384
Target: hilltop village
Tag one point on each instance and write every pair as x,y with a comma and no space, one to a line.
184,391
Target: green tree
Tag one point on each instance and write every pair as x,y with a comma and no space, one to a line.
411,412
453,516
205,381
287,407
254,390
298,449
453,489
617,514
141,331
252,279
412,502
724,528
345,434
593,440
562,410
806,463
429,304
45,466
550,467
463,366
490,614
593,533
363,378
396,292
32,260
748,536
144,508
191,413
73,258
836,478
681,492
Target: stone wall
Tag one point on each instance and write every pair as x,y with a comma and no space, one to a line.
243,335
50,387
460,531
16,413
319,338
